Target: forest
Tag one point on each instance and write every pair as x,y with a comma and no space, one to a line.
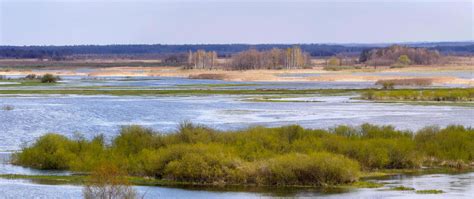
396,53
222,50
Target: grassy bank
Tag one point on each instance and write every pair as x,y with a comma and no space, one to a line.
21,83
458,95
137,92
285,156
434,95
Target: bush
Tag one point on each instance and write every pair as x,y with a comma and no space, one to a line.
388,85
312,169
405,82
452,143
49,78
404,60
50,151
208,76
133,139
108,181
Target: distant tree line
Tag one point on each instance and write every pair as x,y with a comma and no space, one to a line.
401,55
276,58
222,50
202,59
289,58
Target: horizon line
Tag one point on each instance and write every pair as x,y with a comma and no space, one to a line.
197,44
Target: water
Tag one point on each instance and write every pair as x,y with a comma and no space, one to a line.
146,82
456,186
33,115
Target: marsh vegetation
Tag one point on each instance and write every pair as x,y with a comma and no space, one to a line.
284,156
452,95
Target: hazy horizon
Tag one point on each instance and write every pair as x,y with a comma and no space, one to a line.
100,22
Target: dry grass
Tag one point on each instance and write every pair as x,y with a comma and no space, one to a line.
129,68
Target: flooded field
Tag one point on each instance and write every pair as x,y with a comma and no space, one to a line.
30,116
33,116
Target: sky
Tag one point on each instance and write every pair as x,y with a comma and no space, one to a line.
74,22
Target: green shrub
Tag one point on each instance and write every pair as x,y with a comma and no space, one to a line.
133,139
388,85
49,78
50,151
458,94
309,169
430,191
402,188
451,143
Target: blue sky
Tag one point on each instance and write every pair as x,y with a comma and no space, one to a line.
71,22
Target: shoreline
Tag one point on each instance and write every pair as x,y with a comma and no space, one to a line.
366,180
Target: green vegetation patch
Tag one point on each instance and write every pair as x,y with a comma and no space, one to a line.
433,95
215,85
173,92
429,191
284,156
402,188
366,184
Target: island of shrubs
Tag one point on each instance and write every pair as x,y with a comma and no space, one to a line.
284,156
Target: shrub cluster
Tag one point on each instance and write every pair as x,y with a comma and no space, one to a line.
49,78
457,94
406,82
289,155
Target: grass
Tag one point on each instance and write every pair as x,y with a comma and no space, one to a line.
174,92
21,83
280,98
146,181
424,96
402,188
216,85
429,103
208,76
82,179
366,184
429,95
429,191
406,82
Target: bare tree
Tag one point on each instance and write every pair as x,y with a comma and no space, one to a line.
108,182
272,59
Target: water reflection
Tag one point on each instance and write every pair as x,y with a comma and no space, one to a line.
454,186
